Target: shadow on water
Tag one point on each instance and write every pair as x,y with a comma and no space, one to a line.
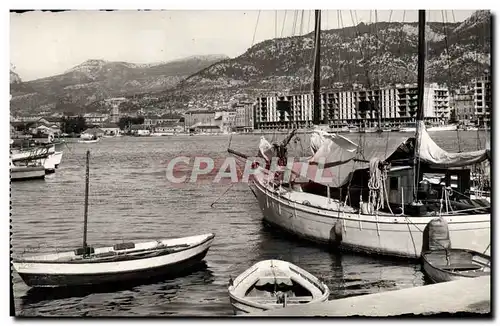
197,273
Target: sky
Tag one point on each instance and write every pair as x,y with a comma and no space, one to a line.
44,44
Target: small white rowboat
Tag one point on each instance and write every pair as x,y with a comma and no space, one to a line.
272,284
120,263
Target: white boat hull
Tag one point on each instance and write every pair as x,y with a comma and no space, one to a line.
57,158
390,235
408,129
46,157
47,271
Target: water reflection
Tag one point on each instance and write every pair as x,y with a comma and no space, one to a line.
157,286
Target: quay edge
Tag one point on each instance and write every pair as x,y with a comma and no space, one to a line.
466,295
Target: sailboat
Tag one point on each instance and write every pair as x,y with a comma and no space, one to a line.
347,198
122,262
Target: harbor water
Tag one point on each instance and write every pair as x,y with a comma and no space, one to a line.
131,199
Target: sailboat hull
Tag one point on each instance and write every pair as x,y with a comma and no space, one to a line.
92,272
389,235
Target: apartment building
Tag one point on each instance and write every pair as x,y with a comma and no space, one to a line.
395,105
244,120
463,103
482,99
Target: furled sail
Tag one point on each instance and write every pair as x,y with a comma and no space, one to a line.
430,153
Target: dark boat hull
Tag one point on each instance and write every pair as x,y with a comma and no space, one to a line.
69,280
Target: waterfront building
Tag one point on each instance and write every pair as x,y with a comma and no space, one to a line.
201,117
463,104
244,116
396,105
482,99
96,119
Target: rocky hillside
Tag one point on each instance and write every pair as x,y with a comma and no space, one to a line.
94,80
369,54
373,55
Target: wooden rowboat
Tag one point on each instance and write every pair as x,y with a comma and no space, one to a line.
454,264
119,263
122,262
272,284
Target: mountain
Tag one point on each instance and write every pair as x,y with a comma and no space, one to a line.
372,55
94,80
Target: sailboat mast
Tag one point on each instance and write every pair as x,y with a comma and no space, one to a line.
420,97
85,213
421,65
317,68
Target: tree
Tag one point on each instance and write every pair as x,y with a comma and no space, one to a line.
73,124
126,121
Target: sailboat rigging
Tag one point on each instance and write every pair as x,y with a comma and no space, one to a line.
366,203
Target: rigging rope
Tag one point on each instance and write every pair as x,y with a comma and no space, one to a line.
376,184
255,30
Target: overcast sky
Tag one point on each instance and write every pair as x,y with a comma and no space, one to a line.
44,44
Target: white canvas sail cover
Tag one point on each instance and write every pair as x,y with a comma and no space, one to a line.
431,153
331,149
265,149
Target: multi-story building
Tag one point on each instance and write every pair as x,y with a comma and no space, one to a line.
463,104
201,117
244,116
155,120
482,99
361,107
96,119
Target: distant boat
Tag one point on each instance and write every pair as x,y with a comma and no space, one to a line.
454,264
449,127
90,141
121,262
159,134
272,284
371,130
23,173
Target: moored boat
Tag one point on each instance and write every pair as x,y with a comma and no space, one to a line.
454,264
89,141
272,284
119,263
23,173
448,127
372,202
